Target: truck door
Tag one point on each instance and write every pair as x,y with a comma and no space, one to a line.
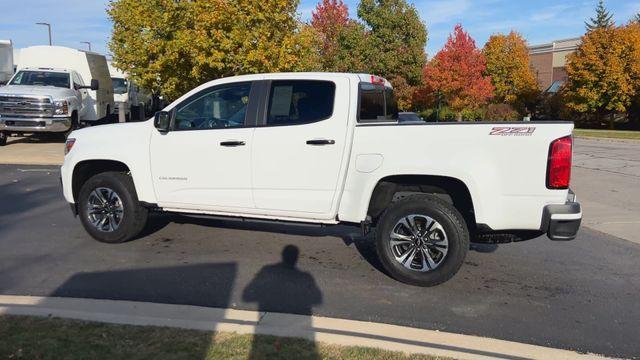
297,153
81,94
203,163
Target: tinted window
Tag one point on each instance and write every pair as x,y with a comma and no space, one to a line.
377,103
300,102
220,107
41,78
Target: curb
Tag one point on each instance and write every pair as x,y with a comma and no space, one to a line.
315,328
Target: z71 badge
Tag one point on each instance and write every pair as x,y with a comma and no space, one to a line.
512,131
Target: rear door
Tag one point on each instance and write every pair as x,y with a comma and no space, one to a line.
298,147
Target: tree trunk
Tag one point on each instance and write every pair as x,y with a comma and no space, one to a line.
459,116
612,118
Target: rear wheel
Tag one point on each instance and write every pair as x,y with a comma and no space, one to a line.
109,208
3,138
422,240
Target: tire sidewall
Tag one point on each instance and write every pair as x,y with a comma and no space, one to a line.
453,225
115,182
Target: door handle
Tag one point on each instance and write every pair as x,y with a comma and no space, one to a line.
232,143
317,142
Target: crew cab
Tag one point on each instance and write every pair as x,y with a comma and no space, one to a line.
327,148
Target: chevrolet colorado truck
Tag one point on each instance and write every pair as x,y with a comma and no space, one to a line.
327,148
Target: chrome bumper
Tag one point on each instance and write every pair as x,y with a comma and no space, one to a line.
26,125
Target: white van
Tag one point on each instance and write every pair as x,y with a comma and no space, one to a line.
6,61
54,89
135,101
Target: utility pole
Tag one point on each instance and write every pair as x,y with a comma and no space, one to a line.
49,27
86,42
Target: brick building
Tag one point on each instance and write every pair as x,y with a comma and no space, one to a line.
549,62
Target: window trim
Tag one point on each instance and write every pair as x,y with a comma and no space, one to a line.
248,113
384,98
266,102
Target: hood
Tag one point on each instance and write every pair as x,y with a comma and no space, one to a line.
52,91
121,97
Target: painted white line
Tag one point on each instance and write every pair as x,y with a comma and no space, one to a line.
322,329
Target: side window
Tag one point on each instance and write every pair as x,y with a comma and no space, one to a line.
220,107
377,103
77,79
300,101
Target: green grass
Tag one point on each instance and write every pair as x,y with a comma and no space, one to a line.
23,337
613,134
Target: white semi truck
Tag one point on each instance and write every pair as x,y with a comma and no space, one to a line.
54,89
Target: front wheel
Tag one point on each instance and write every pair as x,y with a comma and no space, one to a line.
422,240
109,208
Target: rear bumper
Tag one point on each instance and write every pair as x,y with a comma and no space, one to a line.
28,125
562,221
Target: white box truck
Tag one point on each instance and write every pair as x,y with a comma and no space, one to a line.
135,101
55,89
6,61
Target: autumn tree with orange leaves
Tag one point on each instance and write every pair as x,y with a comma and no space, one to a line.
457,73
508,66
604,73
329,19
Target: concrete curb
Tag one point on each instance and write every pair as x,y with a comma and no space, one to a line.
321,329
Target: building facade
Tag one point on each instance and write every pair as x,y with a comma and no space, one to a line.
549,62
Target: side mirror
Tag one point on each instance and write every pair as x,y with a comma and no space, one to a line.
95,84
162,121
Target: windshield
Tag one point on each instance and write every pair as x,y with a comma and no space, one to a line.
41,78
409,117
120,85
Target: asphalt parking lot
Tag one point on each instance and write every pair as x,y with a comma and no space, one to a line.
580,295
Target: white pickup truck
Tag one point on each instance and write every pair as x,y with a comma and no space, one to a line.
326,148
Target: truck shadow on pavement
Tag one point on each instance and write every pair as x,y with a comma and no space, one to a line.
279,287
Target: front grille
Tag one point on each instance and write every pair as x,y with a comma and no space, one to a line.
25,105
25,123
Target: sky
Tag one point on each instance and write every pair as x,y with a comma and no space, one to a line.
540,21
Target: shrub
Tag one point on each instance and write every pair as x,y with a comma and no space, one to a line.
501,112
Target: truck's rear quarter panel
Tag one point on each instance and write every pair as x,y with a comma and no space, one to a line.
504,166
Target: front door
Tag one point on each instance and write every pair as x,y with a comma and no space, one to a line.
203,163
298,151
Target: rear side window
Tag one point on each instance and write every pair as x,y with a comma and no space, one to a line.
300,101
377,103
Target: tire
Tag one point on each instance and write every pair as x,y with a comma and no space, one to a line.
74,125
446,242
132,219
3,138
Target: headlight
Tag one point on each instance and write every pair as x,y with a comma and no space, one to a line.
61,107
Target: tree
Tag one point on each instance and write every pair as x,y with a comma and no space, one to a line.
604,72
171,46
602,20
329,19
396,41
508,66
457,73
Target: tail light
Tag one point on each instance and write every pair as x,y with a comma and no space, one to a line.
559,163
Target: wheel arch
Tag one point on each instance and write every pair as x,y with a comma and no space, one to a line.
85,169
394,187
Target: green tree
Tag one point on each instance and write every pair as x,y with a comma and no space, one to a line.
397,38
508,66
172,46
603,18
